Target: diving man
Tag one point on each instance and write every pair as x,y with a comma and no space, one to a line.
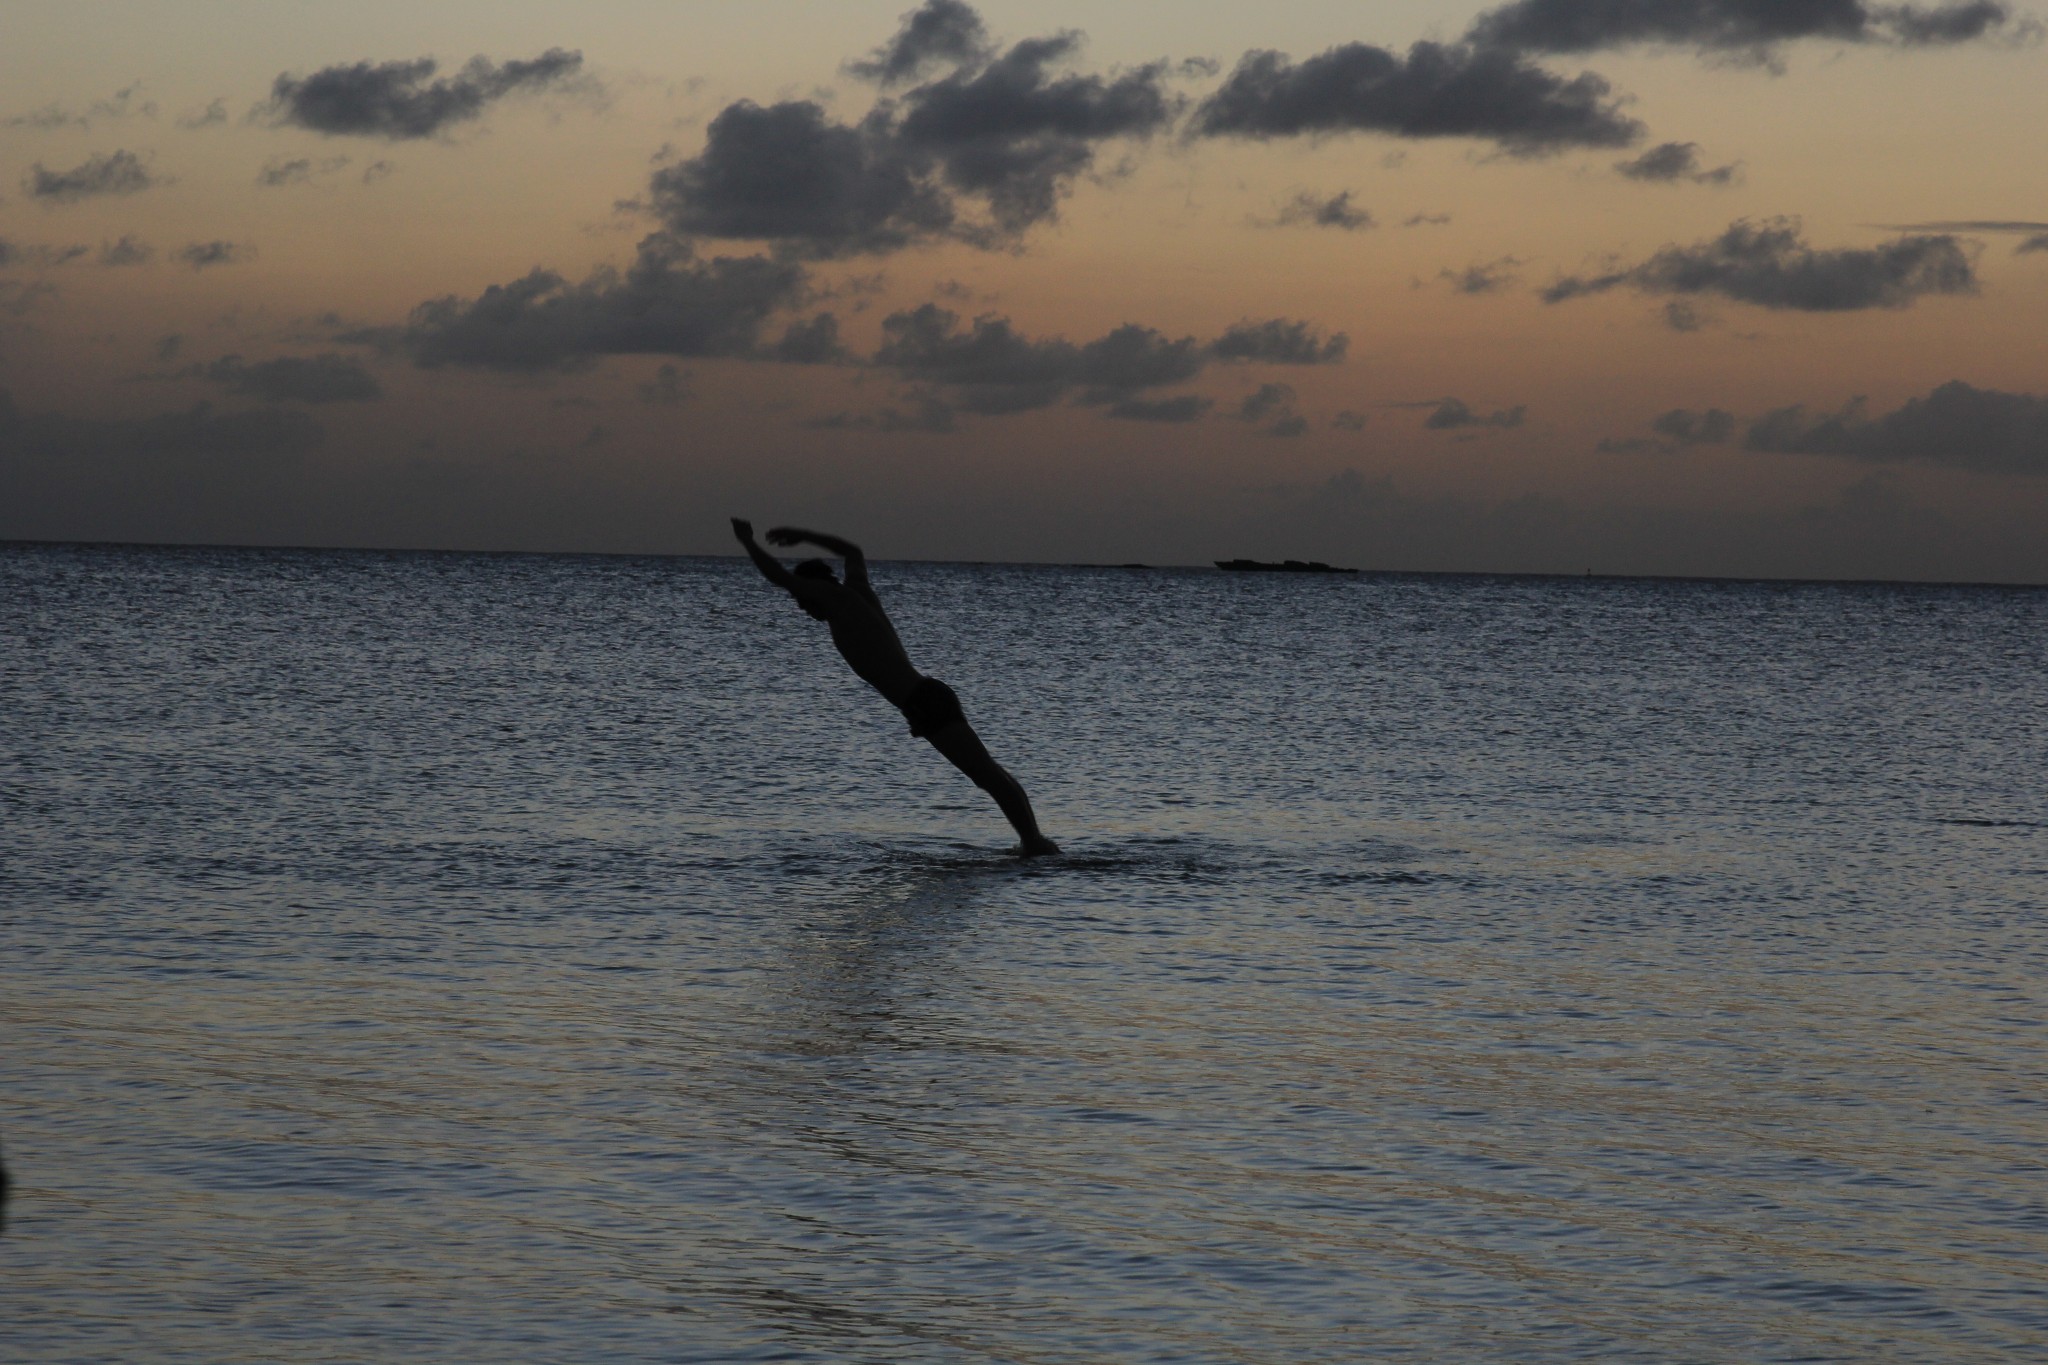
867,639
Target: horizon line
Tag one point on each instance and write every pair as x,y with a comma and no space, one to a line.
1207,566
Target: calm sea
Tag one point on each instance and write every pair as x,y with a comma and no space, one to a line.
459,958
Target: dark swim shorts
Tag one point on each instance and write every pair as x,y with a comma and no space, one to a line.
931,706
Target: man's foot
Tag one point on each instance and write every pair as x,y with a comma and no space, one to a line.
1037,847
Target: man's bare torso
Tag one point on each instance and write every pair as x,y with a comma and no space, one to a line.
867,640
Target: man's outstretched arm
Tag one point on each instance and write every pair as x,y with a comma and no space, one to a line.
770,567
856,562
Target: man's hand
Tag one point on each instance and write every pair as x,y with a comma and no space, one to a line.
787,535
744,529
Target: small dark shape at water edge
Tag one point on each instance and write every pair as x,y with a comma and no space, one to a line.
1284,566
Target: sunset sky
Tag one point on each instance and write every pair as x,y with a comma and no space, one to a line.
1727,287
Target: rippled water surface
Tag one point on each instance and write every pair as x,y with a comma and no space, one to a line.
469,958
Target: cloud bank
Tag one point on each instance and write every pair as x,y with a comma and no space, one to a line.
1671,162
111,173
1738,26
1280,341
1957,425
989,367
402,100
667,302
1769,264
978,155
1437,90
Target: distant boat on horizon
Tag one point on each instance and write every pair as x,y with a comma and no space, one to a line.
1284,566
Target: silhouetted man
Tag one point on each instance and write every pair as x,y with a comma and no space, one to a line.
866,638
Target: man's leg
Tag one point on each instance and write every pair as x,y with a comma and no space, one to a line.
965,751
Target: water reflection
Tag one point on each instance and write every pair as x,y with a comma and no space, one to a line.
858,1032
855,957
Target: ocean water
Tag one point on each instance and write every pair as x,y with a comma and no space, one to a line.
494,958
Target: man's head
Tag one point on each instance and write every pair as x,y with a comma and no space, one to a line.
817,571
815,568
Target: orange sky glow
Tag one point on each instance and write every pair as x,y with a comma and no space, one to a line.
1683,290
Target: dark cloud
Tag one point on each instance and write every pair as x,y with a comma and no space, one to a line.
1279,341
787,175
1770,265
399,100
1427,220
1738,26
1293,424
667,303
1454,414
297,379
2037,242
1015,135
939,32
377,170
1134,357
1490,277
1955,23
1008,134
128,250
281,171
119,172
1958,425
1314,210
1186,407
1670,162
1349,421
1438,90
168,347
205,255
991,368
